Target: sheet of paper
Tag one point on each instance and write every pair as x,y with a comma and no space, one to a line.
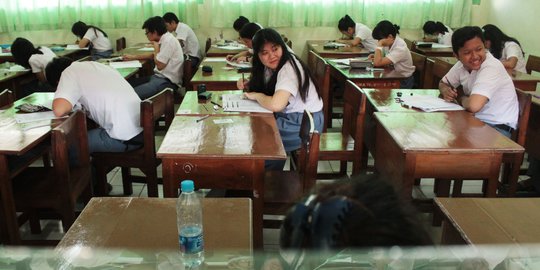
438,46
344,61
230,47
126,64
336,44
215,59
73,47
223,121
146,49
236,103
239,65
37,116
430,103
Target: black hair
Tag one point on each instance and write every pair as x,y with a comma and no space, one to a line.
497,38
54,69
430,27
346,22
249,30
464,34
170,17
79,29
239,23
376,216
155,24
383,29
257,83
22,49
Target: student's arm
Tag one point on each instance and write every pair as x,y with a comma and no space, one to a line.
353,42
473,103
83,43
510,63
159,65
379,60
275,103
128,57
448,93
241,56
61,107
41,76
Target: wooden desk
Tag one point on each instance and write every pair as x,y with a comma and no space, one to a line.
440,52
225,156
532,140
478,221
317,46
147,65
150,224
16,141
73,54
222,76
414,145
14,81
191,105
216,51
521,80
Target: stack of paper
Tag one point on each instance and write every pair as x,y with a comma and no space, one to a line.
237,103
37,116
239,65
336,44
430,103
126,64
72,47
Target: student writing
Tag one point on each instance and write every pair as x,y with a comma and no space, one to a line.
505,48
92,35
359,33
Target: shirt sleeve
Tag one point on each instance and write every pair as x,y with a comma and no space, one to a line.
68,88
512,49
34,64
487,80
287,80
396,55
90,35
166,51
181,33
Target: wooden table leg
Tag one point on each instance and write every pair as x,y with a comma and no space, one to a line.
9,229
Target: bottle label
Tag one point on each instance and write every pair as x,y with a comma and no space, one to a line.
190,243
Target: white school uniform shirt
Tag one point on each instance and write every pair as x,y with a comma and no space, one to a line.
288,81
105,96
401,57
364,33
446,38
491,81
170,53
191,43
99,41
38,62
512,49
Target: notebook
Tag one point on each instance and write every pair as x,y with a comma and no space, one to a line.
236,103
430,103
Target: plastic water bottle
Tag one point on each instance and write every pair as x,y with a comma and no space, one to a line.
190,229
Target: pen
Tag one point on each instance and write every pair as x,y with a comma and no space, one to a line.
242,77
202,118
217,104
449,84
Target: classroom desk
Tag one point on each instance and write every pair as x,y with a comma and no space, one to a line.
478,221
317,46
222,77
532,140
125,72
521,80
191,105
216,51
438,52
150,224
227,155
16,142
14,81
414,145
73,54
147,65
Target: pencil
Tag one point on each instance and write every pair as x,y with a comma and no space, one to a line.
217,104
202,118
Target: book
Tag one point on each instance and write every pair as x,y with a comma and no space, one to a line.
237,103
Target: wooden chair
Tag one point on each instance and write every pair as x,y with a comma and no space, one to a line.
6,98
143,158
208,45
59,186
419,61
510,173
187,74
347,144
282,189
533,63
321,73
120,44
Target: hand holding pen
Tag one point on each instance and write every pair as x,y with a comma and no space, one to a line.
449,93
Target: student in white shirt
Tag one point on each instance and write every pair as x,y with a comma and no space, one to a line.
186,36
246,34
94,36
398,53
239,23
480,83
443,33
505,48
359,33
168,58
280,82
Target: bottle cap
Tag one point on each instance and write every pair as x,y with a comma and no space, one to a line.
187,186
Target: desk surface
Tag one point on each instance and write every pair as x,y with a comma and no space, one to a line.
493,221
150,224
239,136
443,52
355,74
317,46
220,52
192,105
385,100
222,77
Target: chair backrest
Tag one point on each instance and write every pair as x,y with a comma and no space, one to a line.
70,137
120,44
524,100
428,74
308,155
152,109
419,61
533,63
187,74
208,45
438,70
321,73
354,112
6,98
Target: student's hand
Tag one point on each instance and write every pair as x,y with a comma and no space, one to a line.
77,41
371,56
128,57
381,42
242,84
447,92
251,95
241,59
229,57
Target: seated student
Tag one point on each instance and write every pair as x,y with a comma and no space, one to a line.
186,36
505,48
488,90
239,23
90,35
359,33
397,54
364,212
442,32
36,59
246,34
105,96
168,58
281,83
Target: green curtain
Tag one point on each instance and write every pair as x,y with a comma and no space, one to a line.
25,15
311,13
